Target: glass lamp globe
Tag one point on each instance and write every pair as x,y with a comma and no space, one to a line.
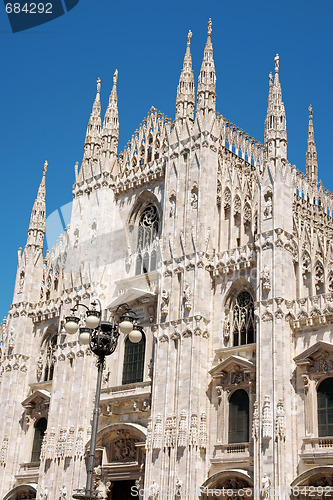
92,319
71,324
84,336
135,336
125,326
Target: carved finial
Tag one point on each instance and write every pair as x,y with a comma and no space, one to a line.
115,77
189,36
209,26
45,167
276,60
98,85
310,111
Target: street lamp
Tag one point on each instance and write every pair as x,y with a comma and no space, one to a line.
102,337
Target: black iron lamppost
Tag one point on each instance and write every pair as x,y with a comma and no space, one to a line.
102,337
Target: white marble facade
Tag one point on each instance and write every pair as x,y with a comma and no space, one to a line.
224,249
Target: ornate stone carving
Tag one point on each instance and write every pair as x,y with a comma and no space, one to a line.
79,445
203,430
255,421
172,202
70,441
149,434
280,421
187,297
153,491
182,430
4,451
266,487
226,329
178,488
193,441
266,279
164,302
63,492
267,430
124,449
268,207
194,198
39,370
237,376
158,432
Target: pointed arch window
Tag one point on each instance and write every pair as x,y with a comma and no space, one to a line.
243,327
147,246
40,428
134,361
325,408
239,417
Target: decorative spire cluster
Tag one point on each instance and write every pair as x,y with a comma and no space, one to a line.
38,215
275,124
185,93
93,141
311,152
110,133
206,95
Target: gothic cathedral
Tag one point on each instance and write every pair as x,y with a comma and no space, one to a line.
225,252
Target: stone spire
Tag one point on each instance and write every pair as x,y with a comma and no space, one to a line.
38,216
275,124
311,152
206,95
185,92
110,133
92,141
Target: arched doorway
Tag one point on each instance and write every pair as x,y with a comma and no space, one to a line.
236,484
315,483
22,492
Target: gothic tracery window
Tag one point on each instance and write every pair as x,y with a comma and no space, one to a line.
147,246
243,327
325,408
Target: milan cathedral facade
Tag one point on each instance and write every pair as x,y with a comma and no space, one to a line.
225,252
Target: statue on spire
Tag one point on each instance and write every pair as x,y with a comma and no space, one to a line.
115,77
189,36
45,167
277,63
210,26
98,85
310,111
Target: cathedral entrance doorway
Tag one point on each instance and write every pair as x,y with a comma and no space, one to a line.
121,490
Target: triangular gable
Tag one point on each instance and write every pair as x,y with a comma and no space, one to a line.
311,352
36,396
131,295
228,364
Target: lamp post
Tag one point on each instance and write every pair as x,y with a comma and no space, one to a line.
102,337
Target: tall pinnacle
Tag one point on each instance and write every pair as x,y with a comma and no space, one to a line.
206,95
38,215
311,151
92,141
110,133
275,123
185,91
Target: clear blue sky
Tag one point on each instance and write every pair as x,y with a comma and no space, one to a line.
49,79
